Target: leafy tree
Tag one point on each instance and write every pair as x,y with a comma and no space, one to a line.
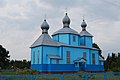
4,57
112,62
20,64
100,51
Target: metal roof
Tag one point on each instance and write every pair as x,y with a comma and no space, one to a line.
66,30
80,60
101,59
45,39
85,33
53,56
83,25
45,25
66,21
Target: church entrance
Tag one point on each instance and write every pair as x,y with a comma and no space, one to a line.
80,64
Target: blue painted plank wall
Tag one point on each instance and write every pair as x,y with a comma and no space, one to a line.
34,55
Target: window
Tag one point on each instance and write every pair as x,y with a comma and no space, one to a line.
38,56
34,57
93,58
68,57
84,55
74,38
57,61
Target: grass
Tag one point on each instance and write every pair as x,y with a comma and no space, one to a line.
26,75
113,77
8,72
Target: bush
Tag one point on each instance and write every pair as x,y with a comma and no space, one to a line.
32,71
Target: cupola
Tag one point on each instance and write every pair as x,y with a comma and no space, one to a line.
66,21
44,27
83,25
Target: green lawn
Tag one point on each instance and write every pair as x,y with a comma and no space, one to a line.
26,75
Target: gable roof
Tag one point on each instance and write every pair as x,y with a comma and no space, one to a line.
80,60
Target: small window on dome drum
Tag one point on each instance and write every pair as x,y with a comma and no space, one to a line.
74,38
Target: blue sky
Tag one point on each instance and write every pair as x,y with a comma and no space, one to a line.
20,22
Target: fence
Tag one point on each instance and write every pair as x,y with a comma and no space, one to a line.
86,76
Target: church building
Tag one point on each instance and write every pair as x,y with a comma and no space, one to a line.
66,51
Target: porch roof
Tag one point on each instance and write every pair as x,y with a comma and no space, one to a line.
80,60
53,56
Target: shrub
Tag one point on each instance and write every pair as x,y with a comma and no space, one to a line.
32,71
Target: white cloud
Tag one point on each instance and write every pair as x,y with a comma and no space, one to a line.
20,22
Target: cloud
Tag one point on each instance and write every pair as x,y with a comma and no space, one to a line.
20,22
2,3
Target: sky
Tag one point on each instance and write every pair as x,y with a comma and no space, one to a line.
20,22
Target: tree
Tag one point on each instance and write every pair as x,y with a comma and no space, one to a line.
19,64
112,62
4,57
100,51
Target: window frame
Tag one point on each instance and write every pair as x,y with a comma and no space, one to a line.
84,55
93,58
34,57
38,56
68,57
74,38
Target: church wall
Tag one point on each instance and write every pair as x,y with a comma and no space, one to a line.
96,57
56,37
67,39
49,50
86,41
35,53
74,39
64,38
74,54
62,65
82,41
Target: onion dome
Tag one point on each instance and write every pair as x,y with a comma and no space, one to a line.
84,32
66,29
66,21
44,27
83,25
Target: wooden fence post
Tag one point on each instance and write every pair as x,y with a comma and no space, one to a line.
105,76
86,76
62,77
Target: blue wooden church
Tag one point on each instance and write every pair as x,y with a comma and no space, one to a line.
66,51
